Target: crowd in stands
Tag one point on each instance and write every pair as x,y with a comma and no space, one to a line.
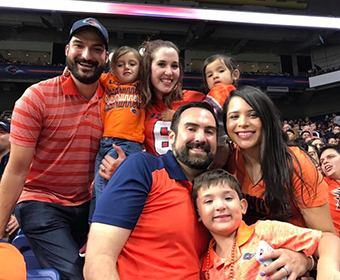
318,131
19,61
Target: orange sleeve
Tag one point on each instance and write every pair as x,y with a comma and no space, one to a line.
104,79
218,95
315,190
192,95
188,96
286,235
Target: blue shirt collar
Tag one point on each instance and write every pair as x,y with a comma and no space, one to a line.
173,168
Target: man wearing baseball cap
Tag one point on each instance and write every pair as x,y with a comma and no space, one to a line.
55,132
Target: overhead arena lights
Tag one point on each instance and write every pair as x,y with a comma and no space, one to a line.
91,7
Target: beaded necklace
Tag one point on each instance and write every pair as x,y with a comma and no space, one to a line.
232,261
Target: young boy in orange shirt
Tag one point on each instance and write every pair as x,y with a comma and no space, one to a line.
231,255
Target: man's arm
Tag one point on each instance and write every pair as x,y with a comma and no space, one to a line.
104,245
116,215
13,181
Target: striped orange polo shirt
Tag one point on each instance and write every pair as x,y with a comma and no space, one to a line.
65,130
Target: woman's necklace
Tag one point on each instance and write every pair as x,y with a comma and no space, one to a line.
232,261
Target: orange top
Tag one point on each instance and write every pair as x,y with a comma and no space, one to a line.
65,130
276,234
334,201
167,240
121,110
156,130
257,209
218,95
12,263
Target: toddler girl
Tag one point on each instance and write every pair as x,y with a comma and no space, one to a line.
219,69
121,110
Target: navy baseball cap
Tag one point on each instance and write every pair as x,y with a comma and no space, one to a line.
5,125
90,22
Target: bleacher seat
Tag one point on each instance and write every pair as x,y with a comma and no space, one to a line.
22,244
42,274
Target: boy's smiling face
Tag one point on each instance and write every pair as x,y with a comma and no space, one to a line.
220,209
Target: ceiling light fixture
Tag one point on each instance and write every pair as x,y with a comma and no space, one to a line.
91,7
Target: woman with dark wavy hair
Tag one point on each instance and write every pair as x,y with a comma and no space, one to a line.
279,182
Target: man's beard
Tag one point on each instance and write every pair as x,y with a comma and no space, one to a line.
85,77
198,162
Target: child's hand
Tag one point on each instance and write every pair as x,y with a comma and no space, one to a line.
66,72
167,115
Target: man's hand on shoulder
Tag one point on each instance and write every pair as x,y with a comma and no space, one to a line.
109,164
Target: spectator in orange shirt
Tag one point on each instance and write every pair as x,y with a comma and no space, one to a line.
55,133
279,182
121,110
220,72
330,165
145,226
220,204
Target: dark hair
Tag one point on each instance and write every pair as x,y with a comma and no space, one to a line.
313,147
276,159
327,147
306,131
148,50
122,51
213,178
299,142
197,104
286,134
316,151
290,130
226,60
